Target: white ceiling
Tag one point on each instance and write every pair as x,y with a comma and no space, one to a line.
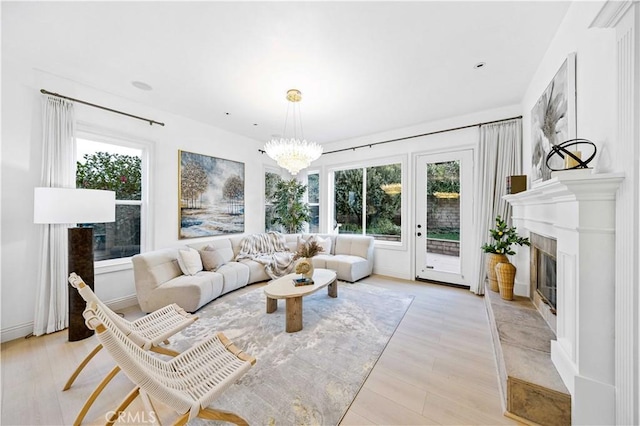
363,67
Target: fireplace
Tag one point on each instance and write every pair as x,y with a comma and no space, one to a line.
543,276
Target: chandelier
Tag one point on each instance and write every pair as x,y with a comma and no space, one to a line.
293,154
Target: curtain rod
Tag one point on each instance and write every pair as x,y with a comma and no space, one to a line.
151,122
423,134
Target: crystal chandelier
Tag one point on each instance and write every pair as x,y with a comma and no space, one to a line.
293,154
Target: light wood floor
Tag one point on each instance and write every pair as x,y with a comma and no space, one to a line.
438,368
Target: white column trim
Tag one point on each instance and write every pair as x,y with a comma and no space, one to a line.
624,17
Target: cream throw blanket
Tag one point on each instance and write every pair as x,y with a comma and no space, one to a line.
269,249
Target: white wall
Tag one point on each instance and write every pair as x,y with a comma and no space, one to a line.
399,261
595,96
21,159
595,82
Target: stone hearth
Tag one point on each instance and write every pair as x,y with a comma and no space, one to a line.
531,387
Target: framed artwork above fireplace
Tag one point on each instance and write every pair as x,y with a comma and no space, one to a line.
553,119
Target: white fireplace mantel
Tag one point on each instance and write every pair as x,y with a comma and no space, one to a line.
577,208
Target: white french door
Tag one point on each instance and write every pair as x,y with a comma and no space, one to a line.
444,199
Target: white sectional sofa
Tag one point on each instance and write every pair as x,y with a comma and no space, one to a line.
160,281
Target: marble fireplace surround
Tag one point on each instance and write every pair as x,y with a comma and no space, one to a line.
577,208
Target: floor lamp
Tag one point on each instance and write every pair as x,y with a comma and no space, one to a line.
76,206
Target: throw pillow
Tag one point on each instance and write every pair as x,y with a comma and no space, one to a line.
189,261
325,243
212,259
225,252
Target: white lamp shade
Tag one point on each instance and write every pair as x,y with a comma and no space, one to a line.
72,205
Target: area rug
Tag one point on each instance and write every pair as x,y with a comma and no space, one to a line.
309,377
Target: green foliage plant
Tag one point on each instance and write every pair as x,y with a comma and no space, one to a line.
114,172
503,238
288,209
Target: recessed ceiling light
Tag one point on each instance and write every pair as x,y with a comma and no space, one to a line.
479,65
141,85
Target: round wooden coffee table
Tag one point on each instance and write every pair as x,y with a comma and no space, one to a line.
283,288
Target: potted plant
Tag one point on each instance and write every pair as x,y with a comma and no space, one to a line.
503,238
289,210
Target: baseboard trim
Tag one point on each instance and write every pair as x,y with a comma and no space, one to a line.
392,273
16,331
22,330
122,302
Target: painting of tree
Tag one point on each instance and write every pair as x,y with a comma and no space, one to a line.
211,196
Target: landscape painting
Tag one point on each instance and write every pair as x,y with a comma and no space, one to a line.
211,196
553,120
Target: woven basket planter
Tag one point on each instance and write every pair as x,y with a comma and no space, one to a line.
506,275
491,260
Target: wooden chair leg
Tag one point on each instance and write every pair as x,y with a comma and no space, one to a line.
182,420
164,351
225,416
123,405
81,366
89,402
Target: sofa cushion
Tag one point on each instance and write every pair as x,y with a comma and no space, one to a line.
188,291
235,275
256,271
223,247
355,245
320,260
348,268
291,240
189,261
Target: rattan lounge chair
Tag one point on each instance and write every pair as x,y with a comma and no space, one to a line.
147,332
188,383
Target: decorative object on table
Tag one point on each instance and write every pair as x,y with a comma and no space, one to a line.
503,238
210,196
573,153
553,119
303,281
293,154
305,268
77,206
306,250
289,210
516,184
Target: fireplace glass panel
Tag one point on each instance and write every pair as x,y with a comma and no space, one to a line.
547,277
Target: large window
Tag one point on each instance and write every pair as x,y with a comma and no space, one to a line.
368,200
116,168
313,197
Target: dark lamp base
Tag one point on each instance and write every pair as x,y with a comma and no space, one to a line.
80,262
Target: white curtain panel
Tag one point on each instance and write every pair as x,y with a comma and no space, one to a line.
499,156
58,170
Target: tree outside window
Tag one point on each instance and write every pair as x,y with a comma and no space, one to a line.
368,201
114,168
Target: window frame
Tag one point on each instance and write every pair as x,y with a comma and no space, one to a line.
309,203
103,135
375,162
